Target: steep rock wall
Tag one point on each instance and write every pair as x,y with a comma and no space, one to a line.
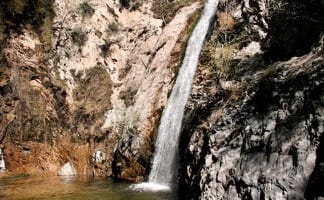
254,125
78,77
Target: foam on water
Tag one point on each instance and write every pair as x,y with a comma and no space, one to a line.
67,170
150,187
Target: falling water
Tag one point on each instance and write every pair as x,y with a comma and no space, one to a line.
164,168
67,170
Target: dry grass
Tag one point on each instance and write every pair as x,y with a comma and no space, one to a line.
222,59
166,10
225,21
219,57
218,51
92,100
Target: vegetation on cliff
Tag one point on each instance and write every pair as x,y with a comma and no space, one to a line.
36,15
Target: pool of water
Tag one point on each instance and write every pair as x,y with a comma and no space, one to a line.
24,187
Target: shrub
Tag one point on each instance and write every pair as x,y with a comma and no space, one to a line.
85,9
166,10
131,5
114,27
128,96
37,14
106,47
46,34
125,70
79,37
44,10
91,99
124,3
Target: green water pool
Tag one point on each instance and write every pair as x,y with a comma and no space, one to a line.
24,187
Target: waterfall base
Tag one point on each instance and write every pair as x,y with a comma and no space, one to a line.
67,170
149,187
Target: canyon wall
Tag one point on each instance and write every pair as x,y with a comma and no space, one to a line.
254,122
84,83
81,80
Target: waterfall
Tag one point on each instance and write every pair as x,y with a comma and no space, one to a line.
164,168
2,162
67,170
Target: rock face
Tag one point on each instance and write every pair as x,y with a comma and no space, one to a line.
254,121
84,82
140,120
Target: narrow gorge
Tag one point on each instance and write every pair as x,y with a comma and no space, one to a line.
215,99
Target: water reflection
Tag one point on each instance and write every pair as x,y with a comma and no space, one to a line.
24,187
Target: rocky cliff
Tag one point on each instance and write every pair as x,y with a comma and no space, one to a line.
83,85
80,80
254,121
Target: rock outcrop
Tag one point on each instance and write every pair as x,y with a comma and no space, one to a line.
254,121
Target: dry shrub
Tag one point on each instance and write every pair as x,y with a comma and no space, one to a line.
225,21
125,70
79,37
166,10
92,100
128,96
133,171
85,9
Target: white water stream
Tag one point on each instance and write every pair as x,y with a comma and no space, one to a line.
164,170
